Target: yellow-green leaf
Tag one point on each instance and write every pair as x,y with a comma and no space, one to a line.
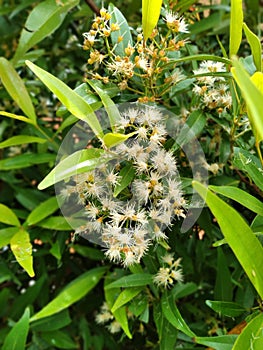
255,46
236,21
251,90
238,234
18,117
22,250
16,88
150,14
70,99
251,337
7,216
113,139
20,140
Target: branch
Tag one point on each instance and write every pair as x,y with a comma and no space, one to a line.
93,7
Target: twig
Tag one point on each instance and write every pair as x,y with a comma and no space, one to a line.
93,7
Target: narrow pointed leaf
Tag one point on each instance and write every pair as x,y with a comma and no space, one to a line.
240,196
16,88
7,216
222,342
226,308
16,338
44,19
173,315
236,21
253,97
77,163
125,296
72,101
255,46
238,234
134,280
44,209
126,176
73,292
18,117
21,140
110,107
150,14
22,250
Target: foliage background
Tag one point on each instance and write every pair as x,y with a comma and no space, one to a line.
211,272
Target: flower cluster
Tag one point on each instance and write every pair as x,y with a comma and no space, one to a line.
132,198
212,88
169,273
106,316
146,68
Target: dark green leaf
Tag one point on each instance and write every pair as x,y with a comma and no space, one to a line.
127,175
222,342
16,338
226,308
134,280
73,292
173,315
26,160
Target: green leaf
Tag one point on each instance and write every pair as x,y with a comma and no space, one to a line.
236,21
173,315
45,18
127,175
114,139
57,223
73,102
73,292
7,216
241,197
120,314
166,332
194,125
44,209
150,14
134,280
222,342
255,46
6,234
110,107
17,117
52,323
251,336
238,234
252,95
20,140
247,163
79,162
226,308
26,160
59,339
125,296
16,338
224,283
124,31
22,250
16,88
